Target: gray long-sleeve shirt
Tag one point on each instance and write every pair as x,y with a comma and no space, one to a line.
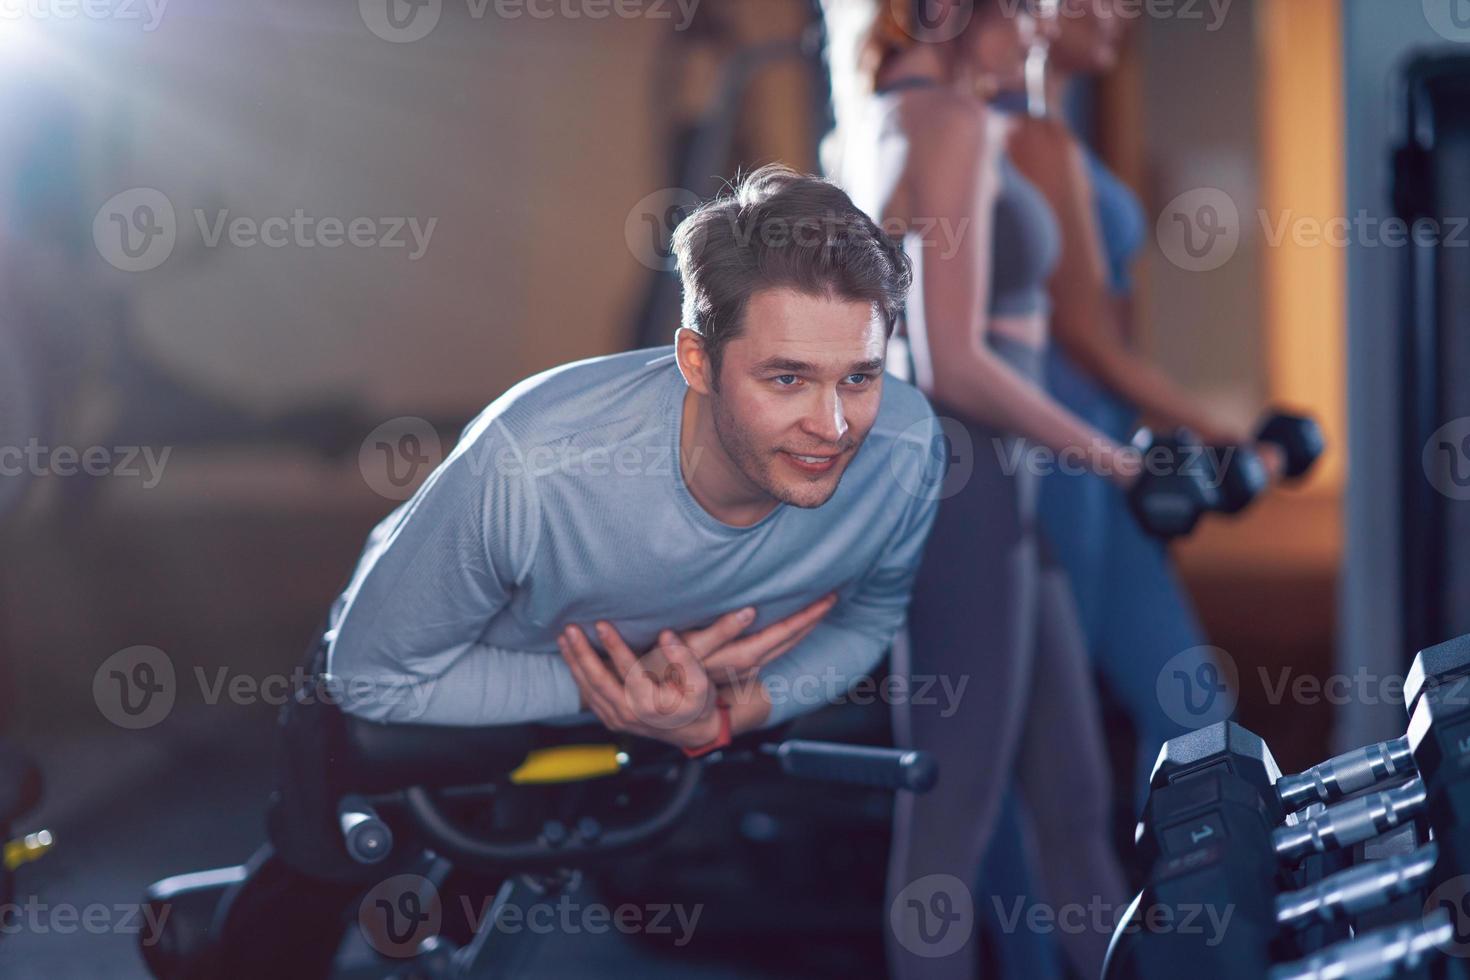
564,502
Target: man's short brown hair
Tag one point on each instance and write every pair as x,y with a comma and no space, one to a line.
778,228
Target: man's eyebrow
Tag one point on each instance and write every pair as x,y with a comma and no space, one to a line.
803,367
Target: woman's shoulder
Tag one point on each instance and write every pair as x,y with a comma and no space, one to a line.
943,116
952,138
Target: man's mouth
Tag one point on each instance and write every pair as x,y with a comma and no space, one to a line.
812,464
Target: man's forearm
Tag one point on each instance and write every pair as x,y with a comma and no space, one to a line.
481,686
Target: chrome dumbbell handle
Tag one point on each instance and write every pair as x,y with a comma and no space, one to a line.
1348,823
1346,774
1374,955
1357,889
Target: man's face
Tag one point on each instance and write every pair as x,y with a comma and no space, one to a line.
799,390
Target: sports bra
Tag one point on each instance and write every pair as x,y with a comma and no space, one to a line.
1026,241
1120,221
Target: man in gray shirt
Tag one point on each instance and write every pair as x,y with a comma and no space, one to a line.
597,533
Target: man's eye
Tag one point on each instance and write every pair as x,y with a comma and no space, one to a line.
862,379
779,378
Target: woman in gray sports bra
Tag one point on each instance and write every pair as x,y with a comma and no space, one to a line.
922,152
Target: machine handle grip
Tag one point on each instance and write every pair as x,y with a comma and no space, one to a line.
365,835
857,765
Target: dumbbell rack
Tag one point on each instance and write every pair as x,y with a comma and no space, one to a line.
1358,867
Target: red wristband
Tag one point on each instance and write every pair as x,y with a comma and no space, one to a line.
721,740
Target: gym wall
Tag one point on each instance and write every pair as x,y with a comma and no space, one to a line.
527,193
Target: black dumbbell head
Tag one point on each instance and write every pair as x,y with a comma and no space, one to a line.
1173,441
1439,738
1245,753
1177,486
1206,847
1435,665
1300,439
1218,781
1211,805
1241,477
1225,880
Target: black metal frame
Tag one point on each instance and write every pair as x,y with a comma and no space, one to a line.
1435,92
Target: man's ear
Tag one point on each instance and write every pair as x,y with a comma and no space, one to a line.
693,360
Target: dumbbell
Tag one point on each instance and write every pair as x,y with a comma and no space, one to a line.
1243,754
1240,472
1227,744
1223,802
1209,833
1382,953
1167,505
1235,870
1176,487
1299,438
1262,925
1437,690
1213,825
1358,889
1240,476
1438,739
1219,848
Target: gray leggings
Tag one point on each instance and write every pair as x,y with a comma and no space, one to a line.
988,609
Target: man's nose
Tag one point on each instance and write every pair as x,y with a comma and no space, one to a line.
827,420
